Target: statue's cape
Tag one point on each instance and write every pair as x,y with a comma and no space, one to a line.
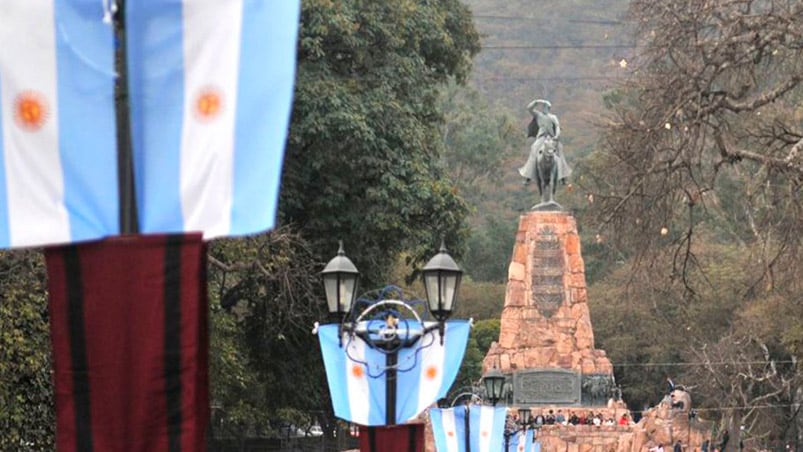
532,128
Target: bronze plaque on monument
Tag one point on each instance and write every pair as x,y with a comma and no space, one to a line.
547,274
554,386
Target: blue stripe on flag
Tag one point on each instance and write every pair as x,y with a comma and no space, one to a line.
338,364
377,383
492,439
265,91
156,83
87,141
449,428
333,360
438,432
5,238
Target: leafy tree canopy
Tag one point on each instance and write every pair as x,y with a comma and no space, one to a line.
362,162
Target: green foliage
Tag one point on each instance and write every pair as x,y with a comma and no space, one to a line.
480,300
362,162
265,364
482,335
26,394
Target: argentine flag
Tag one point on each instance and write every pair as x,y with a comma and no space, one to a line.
356,373
523,442
211,89
58,164
210,85
486,428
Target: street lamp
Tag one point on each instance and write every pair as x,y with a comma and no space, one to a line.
340,281
390,322
441,281
494,382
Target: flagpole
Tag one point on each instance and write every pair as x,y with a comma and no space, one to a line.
125,168
391,360
468,425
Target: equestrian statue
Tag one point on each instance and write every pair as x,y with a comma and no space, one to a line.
546,164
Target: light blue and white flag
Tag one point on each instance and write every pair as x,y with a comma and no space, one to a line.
58,165
211,84
485,431
522,441
356,373
211,89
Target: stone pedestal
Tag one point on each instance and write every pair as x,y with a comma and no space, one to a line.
545,322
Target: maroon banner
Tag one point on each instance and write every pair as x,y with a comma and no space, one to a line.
128,320
393,438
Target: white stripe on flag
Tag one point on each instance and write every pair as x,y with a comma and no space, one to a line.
431,370
486,428
212,31
450,429
30,129
357,385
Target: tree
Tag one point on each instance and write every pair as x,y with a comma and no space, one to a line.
363,157
698,176
27,418
264,297
748,383
708,129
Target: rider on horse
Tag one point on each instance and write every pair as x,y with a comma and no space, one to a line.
543,125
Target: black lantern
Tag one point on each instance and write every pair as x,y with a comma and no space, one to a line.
441,281
340,281
494,382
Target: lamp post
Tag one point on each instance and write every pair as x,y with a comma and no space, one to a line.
396,330
494,382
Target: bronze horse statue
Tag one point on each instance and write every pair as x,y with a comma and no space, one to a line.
546,170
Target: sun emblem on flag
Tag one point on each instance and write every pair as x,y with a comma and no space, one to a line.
208,103
432,372
357,371
30,110
484,433
450,433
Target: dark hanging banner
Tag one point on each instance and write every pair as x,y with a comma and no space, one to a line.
393,438
129,329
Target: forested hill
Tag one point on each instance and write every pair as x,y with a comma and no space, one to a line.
565,51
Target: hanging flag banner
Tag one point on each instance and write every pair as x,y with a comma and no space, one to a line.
128,320
58,164
211,87
485,430
393,438
356,373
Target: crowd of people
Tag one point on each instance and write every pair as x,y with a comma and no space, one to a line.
550,417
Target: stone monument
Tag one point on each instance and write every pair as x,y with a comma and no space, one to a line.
546,342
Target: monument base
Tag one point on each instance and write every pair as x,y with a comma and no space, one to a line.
546,342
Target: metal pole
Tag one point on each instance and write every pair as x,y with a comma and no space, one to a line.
468,426
391,359
125,168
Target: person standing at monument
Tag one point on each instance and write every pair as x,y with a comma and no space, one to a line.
543,125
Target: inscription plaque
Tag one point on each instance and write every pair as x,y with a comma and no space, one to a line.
556,386
547,274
